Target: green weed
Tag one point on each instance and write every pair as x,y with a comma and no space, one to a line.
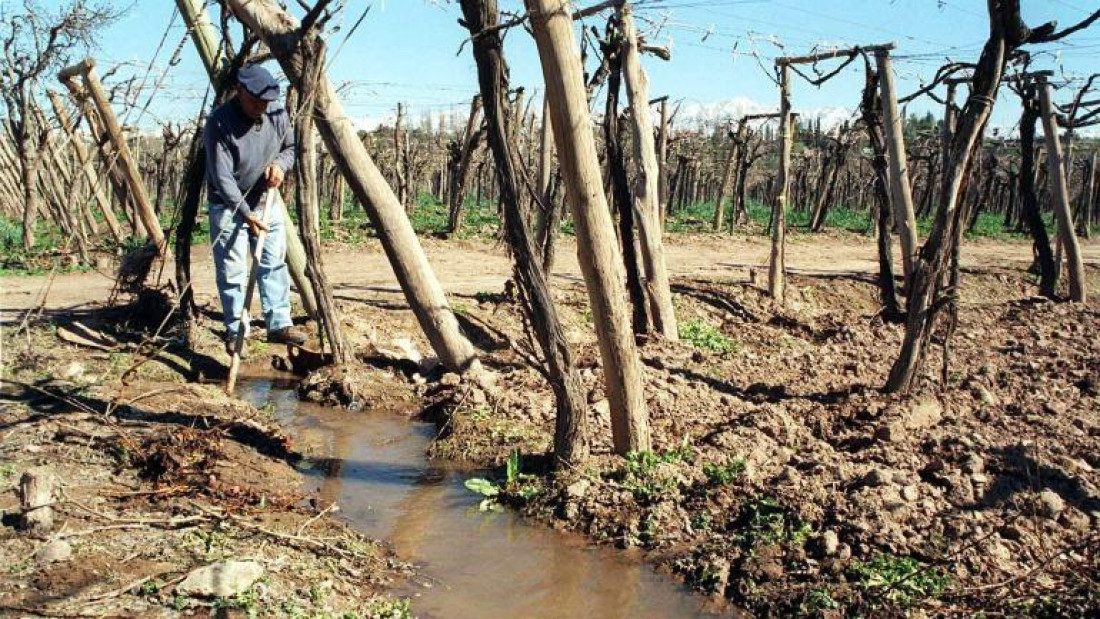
900,580
702,335
764,521
724,474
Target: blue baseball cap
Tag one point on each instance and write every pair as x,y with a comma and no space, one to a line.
259,82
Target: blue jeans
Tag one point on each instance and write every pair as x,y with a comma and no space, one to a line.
232,245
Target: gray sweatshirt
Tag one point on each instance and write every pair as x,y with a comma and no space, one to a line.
238,150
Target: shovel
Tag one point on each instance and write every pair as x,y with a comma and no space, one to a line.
253,275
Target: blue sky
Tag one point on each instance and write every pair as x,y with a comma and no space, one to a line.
405,50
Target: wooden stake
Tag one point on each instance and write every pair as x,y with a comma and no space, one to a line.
36,497
646,199
1059,195
87,165
901,195
598,253
777,263
130,172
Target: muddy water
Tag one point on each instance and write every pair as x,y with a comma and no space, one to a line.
475,564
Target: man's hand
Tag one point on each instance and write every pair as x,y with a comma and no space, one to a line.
255,225
274,175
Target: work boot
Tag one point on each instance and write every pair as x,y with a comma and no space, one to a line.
287,335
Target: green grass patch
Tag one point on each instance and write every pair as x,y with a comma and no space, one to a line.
702,335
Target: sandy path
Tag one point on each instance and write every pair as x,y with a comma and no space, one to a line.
468,267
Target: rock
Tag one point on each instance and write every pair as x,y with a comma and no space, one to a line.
577,489
73,371
973,464
450,379
830,543
878,477
986,396
924,413
1051,504
53,552
477,396
910,493
221,579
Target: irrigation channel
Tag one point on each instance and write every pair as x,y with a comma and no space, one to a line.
473,563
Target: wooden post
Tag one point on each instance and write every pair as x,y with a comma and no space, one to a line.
1059,195
400,163
87,165
130,172
546,164
36,497
410,264
901,195
777,263
727,174
1088,198
600,260
646,199
662,162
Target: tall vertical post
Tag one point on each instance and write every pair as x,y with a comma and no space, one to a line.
777,264
597,248
1059,194
646,199
901,194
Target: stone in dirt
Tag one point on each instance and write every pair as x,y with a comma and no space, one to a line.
1051,504
830,543
53,552
221,579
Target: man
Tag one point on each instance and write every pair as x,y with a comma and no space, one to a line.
249,150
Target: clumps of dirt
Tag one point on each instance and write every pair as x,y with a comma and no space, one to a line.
354,387
174,481
784,481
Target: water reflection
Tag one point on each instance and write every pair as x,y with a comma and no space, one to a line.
483,565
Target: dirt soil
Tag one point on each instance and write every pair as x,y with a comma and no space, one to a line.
158,477
782,481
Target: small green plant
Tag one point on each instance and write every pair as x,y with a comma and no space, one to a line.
180,602
818,600
640,471
486,489
764,521
150,587
247,601
7,470
724,474
389,608
900,580
213,545
460,309
702,335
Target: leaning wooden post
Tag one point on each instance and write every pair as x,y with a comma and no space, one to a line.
901,194
597,248
777,264
646,198
1059,194
280,32
87,165
130,172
